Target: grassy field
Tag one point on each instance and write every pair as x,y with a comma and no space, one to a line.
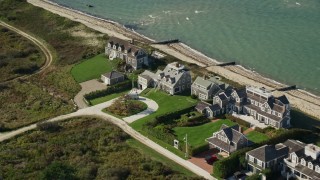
143,149
257,137
166,102
46,94
18,55
23,103
198,134
92,68
82,148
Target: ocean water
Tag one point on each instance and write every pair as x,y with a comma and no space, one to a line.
277,38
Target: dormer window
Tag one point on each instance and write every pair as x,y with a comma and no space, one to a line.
132,53
238,99
125,51
279,114
119,49
114,47
303,162
310,165
317,169
109,45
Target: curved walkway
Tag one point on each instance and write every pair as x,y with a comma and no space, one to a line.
152,107
97,111
43,47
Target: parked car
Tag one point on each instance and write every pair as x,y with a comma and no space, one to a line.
211,159
239,175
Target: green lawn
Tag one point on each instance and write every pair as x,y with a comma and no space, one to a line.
257,137
106,98
143,149
198,134
166,102
92,68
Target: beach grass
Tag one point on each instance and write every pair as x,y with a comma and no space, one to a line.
198,134
143,149
92,68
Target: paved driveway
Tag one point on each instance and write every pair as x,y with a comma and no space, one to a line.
200,161
152,107
87,87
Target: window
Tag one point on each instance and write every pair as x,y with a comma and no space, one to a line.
279,114
303,162
317,169
259,163
251,158
262,108
256,103
238,99
310,165
141,60
273,113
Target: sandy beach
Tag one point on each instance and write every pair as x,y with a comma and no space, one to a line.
299,99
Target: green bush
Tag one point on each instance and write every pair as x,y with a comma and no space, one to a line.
226,167
169,117
238,120
58,170
199,149
48,126
125,85
194,121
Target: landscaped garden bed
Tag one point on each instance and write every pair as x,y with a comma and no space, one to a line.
124,107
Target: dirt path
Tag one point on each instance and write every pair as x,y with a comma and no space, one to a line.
43,47
87,87
97,111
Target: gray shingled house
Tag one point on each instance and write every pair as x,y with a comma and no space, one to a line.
302,162
173,79
267,156
206,89
112,77
228,139
134,56
257,102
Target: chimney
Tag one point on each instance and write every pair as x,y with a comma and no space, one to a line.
240,129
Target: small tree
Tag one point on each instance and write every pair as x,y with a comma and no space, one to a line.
58,170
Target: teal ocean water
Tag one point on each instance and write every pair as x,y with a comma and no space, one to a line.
277,38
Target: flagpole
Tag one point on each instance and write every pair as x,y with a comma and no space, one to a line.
186,154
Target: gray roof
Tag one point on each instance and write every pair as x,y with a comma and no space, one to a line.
202,105
232,133
125,45
171,75
294,145
201,81
223,145
214,107
283,99
113,75
267,153
148,75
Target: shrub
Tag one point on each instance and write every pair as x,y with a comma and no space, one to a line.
238,120
48,126
126,85
58,170
193,96
194,121
199,149
169,117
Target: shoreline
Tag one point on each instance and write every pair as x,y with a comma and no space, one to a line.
300,99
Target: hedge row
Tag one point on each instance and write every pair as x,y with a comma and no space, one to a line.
238,120
194,121
169,117
125,85
199,149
